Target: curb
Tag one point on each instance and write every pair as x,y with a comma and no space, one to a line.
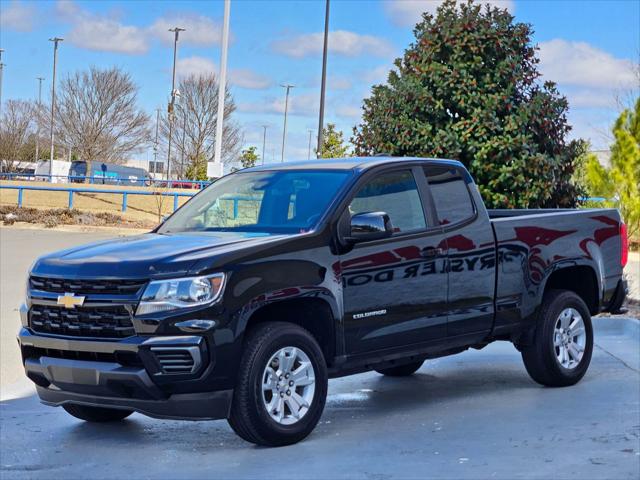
77,228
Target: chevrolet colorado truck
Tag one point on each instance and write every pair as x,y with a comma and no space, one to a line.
273,279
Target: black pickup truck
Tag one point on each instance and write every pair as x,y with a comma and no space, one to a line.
246,300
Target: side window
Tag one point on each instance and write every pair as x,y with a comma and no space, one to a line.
450,194
395,193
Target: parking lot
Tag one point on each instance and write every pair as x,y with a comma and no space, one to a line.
473,415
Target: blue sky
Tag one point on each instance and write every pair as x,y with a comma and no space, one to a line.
587,47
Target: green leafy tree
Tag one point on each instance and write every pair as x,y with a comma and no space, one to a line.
333,143
249,157
620,183
197,169
468,88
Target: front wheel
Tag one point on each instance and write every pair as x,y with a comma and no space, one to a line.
563,341
282,385
96,414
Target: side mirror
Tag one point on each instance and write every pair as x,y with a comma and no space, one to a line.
370,226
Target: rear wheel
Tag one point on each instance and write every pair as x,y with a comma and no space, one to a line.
282,385
563,341
96,414
401,370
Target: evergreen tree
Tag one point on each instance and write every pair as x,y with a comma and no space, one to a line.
249,157
468,88
333,143
620,183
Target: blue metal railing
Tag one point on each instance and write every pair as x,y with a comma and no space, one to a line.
71,191
144,182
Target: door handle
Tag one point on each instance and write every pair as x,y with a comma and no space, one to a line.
432,252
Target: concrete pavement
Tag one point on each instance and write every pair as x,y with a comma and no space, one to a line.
473,415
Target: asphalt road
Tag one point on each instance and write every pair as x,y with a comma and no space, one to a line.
473,415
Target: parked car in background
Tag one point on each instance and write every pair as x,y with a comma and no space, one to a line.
109,174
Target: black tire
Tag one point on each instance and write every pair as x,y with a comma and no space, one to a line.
401,370
540,358
96,414
249,418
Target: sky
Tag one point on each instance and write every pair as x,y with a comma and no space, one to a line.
589,48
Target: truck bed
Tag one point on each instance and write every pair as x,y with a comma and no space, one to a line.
533,243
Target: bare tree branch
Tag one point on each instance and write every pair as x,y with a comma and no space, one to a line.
17,132
195,120
98,117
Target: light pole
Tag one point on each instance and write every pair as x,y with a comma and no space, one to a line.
155,147
323,85
286,107
264,140
309,152
40,79
55,41
1,69
177,31
184,130
216,169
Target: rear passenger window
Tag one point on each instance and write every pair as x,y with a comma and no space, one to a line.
396,194
450,194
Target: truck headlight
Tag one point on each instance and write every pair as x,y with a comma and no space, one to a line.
175,293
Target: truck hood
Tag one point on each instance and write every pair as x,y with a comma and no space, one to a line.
146,256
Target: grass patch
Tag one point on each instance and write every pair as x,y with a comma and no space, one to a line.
50,218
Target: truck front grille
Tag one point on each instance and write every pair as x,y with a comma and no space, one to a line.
102,322
110,287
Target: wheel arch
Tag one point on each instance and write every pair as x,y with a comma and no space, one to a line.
580,279
313,314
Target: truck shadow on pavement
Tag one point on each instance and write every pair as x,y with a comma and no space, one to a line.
370,397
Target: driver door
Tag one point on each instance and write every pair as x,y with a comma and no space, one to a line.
395,289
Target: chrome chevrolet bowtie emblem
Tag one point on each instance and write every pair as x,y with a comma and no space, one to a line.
69,300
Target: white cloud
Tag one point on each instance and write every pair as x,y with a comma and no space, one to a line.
246,78
241,77
200,30
581,64
591,98
408,12
376,75
305,104
335,82
101,33
17,15
107,33
349,111
341,42
195,66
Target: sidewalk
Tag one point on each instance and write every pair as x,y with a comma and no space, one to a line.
632,273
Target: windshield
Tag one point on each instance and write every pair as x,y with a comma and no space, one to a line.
271,202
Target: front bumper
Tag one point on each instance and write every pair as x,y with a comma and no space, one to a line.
123,374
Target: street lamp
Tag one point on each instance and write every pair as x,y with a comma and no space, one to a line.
309,152
286,107
176,31
155,146
184,130
40,79
215,169
264,141
1,69
324,78
55,41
